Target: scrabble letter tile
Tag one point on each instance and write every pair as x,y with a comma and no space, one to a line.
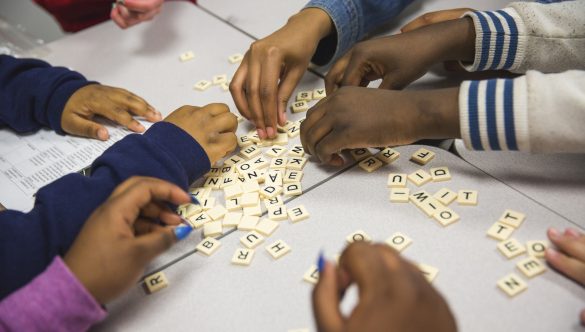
536,248
398,241
248,223
422,156
232,219
299,106
293,189
298,213
419,177
266,227
388,155
467,197
156,282
278,249
500,231
208,246
512,218
531,267
446,216
396,180
445,196
370,164
358,235
243,256
202,85
312,275
440,174
252,239
429,272
399,195
511,248
212,229
512,284
277,213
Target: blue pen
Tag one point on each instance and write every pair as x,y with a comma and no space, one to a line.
183,231
321,262
194,200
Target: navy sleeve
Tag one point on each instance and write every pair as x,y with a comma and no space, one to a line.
33,93
29,241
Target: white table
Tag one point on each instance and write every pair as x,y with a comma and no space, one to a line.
554,181
210,294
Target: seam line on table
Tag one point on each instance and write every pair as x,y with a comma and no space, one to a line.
456,153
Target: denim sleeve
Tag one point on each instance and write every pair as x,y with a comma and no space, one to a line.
353,20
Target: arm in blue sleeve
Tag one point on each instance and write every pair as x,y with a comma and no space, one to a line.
30,241
33,93
353,20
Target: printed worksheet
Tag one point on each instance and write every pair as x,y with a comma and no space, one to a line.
28,162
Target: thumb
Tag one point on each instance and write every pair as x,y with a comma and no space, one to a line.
155,243
326,301
77,125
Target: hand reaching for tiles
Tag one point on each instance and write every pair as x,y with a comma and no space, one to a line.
272,68
354,117
212,126
401,59
120,237
127,13
569,257
393,294
116,104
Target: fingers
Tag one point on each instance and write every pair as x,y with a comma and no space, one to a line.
269,91
237,88
571,242
152,244
253,97
77,125
434,17
355,72
226,143
367,267
216,109
570,260
141,193
135,104
312,120
287,85
326,301
143,5
225,123
335,75
117,18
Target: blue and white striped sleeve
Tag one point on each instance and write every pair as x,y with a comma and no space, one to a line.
492,114
499,40
536,112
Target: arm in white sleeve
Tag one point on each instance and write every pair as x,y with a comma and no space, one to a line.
530,36
540,113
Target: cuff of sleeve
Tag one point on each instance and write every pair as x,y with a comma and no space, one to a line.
55,300
59,99
500,40
182,146
493,114
345,18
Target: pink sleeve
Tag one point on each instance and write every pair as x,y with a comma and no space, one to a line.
54,301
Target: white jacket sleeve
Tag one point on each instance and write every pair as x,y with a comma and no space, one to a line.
541,113
530,36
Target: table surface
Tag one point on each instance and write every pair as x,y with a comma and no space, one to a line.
554,181
144,59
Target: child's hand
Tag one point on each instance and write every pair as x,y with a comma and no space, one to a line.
393,294
272,68
212,126
354,117
131,12
401,59
115,104
435,17
569,259
121,236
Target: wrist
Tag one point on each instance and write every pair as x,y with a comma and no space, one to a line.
315,22
438,113
449,40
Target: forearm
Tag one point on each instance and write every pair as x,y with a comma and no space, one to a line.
530,36
515,114
29,241
352,21
33,94
53,301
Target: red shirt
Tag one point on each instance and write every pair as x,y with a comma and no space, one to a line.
75,15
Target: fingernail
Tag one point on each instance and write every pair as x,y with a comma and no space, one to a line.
321,262
194,200
140,127
261,133
572,233
270,132
182,232
102,134
553,233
